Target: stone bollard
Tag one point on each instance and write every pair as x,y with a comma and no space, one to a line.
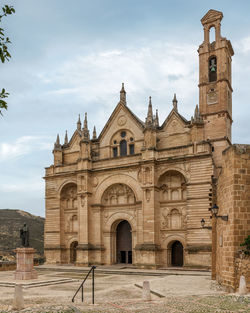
18,303
242,286
146,291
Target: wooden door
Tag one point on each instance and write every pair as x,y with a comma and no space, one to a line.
177,254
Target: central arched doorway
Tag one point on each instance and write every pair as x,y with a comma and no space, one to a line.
73,248
123,243
177,254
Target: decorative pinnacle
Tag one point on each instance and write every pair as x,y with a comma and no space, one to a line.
149,119
94,133
123,94
66,141
156,118
85,127
175,103
57,145
85,131
57,140
79,124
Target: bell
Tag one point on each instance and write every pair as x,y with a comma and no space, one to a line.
213,69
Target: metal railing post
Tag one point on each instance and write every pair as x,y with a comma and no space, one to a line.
93,285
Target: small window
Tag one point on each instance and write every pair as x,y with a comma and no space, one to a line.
123,148
123,134
131,149
115,142
131,139
115,152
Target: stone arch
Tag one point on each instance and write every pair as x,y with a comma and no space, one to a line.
73,251
65,183
172,185
118,179
116,218
168,242
118,194
176,169
110,229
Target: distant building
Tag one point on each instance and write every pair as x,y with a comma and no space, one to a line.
137,192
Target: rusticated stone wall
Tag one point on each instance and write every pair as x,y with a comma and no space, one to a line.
233,194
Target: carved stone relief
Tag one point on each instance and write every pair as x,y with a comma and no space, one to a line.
147,175
172,186
148,194
118,194
173,218
212,96
121,120
69,197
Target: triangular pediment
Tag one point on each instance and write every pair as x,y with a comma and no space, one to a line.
174,123
121,118
211,16
73,144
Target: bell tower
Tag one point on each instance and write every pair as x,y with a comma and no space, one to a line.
215,84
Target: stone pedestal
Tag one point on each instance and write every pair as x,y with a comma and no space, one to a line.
24,263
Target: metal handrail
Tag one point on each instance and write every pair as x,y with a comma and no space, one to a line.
93,285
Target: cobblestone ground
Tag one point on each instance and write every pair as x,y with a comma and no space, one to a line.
187,304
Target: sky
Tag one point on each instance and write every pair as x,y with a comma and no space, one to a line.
71,57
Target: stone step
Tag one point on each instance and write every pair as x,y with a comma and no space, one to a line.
38,283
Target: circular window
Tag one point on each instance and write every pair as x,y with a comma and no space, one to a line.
123,134
131,139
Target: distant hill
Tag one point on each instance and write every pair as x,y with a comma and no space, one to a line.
10,223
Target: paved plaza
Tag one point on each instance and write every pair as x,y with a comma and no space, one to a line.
175,291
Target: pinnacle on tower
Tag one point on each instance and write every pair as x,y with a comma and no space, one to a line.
66,141
85,130
197,119
149,118
94,133
79,124
123,94
156,119
175,103
57,145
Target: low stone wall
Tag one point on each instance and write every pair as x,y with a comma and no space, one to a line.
7,266
242,267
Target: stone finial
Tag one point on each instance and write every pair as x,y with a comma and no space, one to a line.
94,133
66,141
123,94
85,130
149,118
156,119
196,119
175,103
79,124
85,123
57,145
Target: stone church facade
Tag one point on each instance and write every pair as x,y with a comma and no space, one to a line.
137,192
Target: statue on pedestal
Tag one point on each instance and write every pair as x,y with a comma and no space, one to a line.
24,235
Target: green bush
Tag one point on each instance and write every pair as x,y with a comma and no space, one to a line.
246,244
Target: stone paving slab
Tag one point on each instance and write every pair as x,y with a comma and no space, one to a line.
117,293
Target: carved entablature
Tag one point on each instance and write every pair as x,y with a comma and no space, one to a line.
173,218
172,186
69,197
118,194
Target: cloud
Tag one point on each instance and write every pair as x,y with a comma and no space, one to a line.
161,68
24,145
243,45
